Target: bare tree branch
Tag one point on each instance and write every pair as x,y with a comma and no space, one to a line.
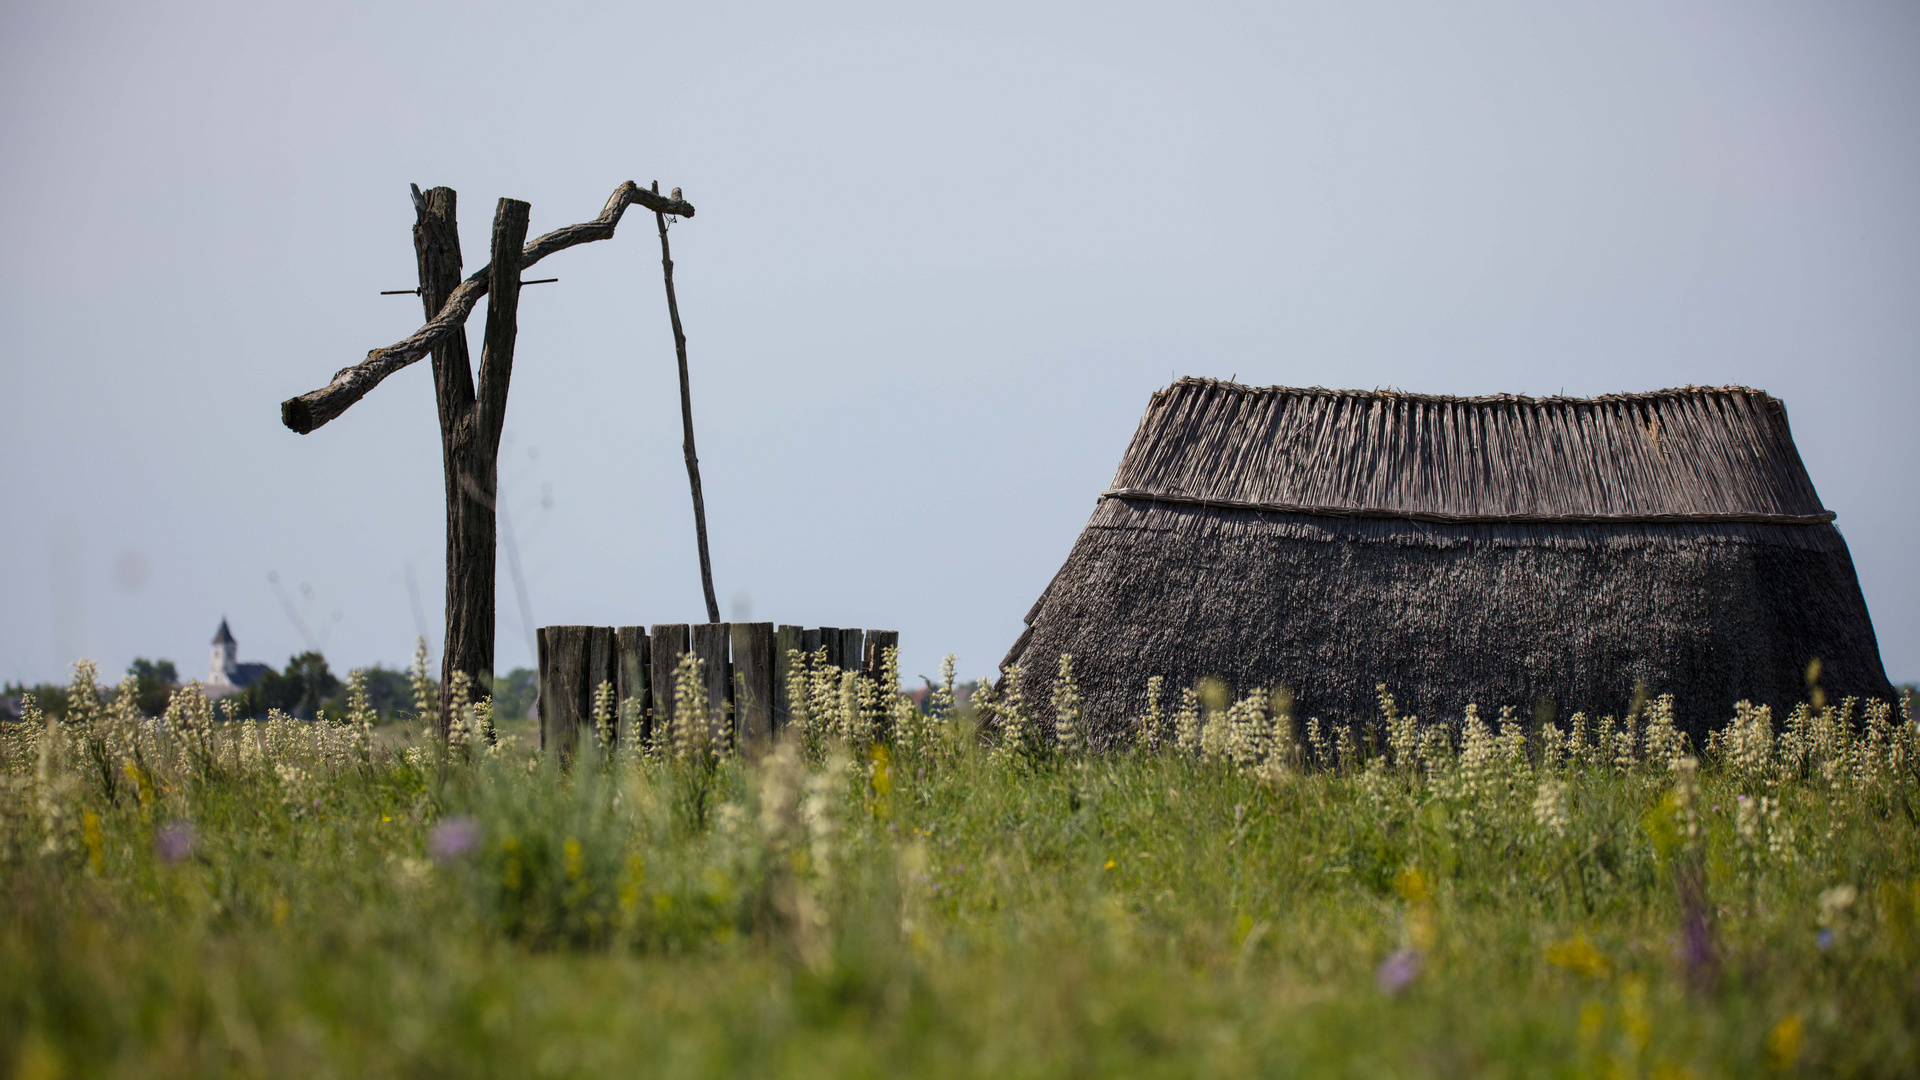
308,411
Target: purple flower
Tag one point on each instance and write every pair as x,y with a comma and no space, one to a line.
1396,971
1825,940
174,841
452,838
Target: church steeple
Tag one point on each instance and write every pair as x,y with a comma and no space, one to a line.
225,656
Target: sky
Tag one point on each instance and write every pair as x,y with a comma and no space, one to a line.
943,256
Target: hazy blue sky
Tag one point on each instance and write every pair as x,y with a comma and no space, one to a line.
940,263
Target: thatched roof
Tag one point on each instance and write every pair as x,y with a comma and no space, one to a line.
1500,550
1719,454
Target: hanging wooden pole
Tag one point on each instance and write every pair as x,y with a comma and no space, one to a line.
686,416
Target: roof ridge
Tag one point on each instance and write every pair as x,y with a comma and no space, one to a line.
1390,393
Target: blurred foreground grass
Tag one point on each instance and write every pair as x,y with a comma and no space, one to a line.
191,899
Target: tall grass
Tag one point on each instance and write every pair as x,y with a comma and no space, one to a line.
885,891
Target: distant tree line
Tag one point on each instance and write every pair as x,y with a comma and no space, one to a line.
305,688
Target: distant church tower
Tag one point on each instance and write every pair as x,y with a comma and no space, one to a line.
226,660
228,674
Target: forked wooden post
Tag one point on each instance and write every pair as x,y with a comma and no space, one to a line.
472,415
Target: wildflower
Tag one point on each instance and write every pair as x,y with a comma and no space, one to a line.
426,698
360,714
943,699
1550,808
1578,749
1397,971
1686,798
174,841
1403,732
459,722
1066,708
1346,746
453,838
1779,832
603,714
1152,721
1373,781
1322,753
1247,730
1748,741
1552,747
1664,743
692,729
1834,905
1186,722
1012,710
1624,744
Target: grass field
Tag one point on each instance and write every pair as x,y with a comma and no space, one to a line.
1252,896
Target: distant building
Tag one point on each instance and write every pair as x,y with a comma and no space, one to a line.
229,675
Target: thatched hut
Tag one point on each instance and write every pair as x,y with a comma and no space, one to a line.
1534,552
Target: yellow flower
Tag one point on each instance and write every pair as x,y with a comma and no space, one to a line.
1783,1042
1578,954
1412,886
90,831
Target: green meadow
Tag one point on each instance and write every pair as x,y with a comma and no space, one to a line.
960,891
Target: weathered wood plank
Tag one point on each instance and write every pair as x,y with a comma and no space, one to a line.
810,641
668,645
753,684
712,645
830,641
603,666
786,642
542,663
851,643
878,642
634,684
565,656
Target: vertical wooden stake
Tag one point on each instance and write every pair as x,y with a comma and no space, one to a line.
753,692
710,644
786,642
633,686
668,646
566,702
603,666
851,650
